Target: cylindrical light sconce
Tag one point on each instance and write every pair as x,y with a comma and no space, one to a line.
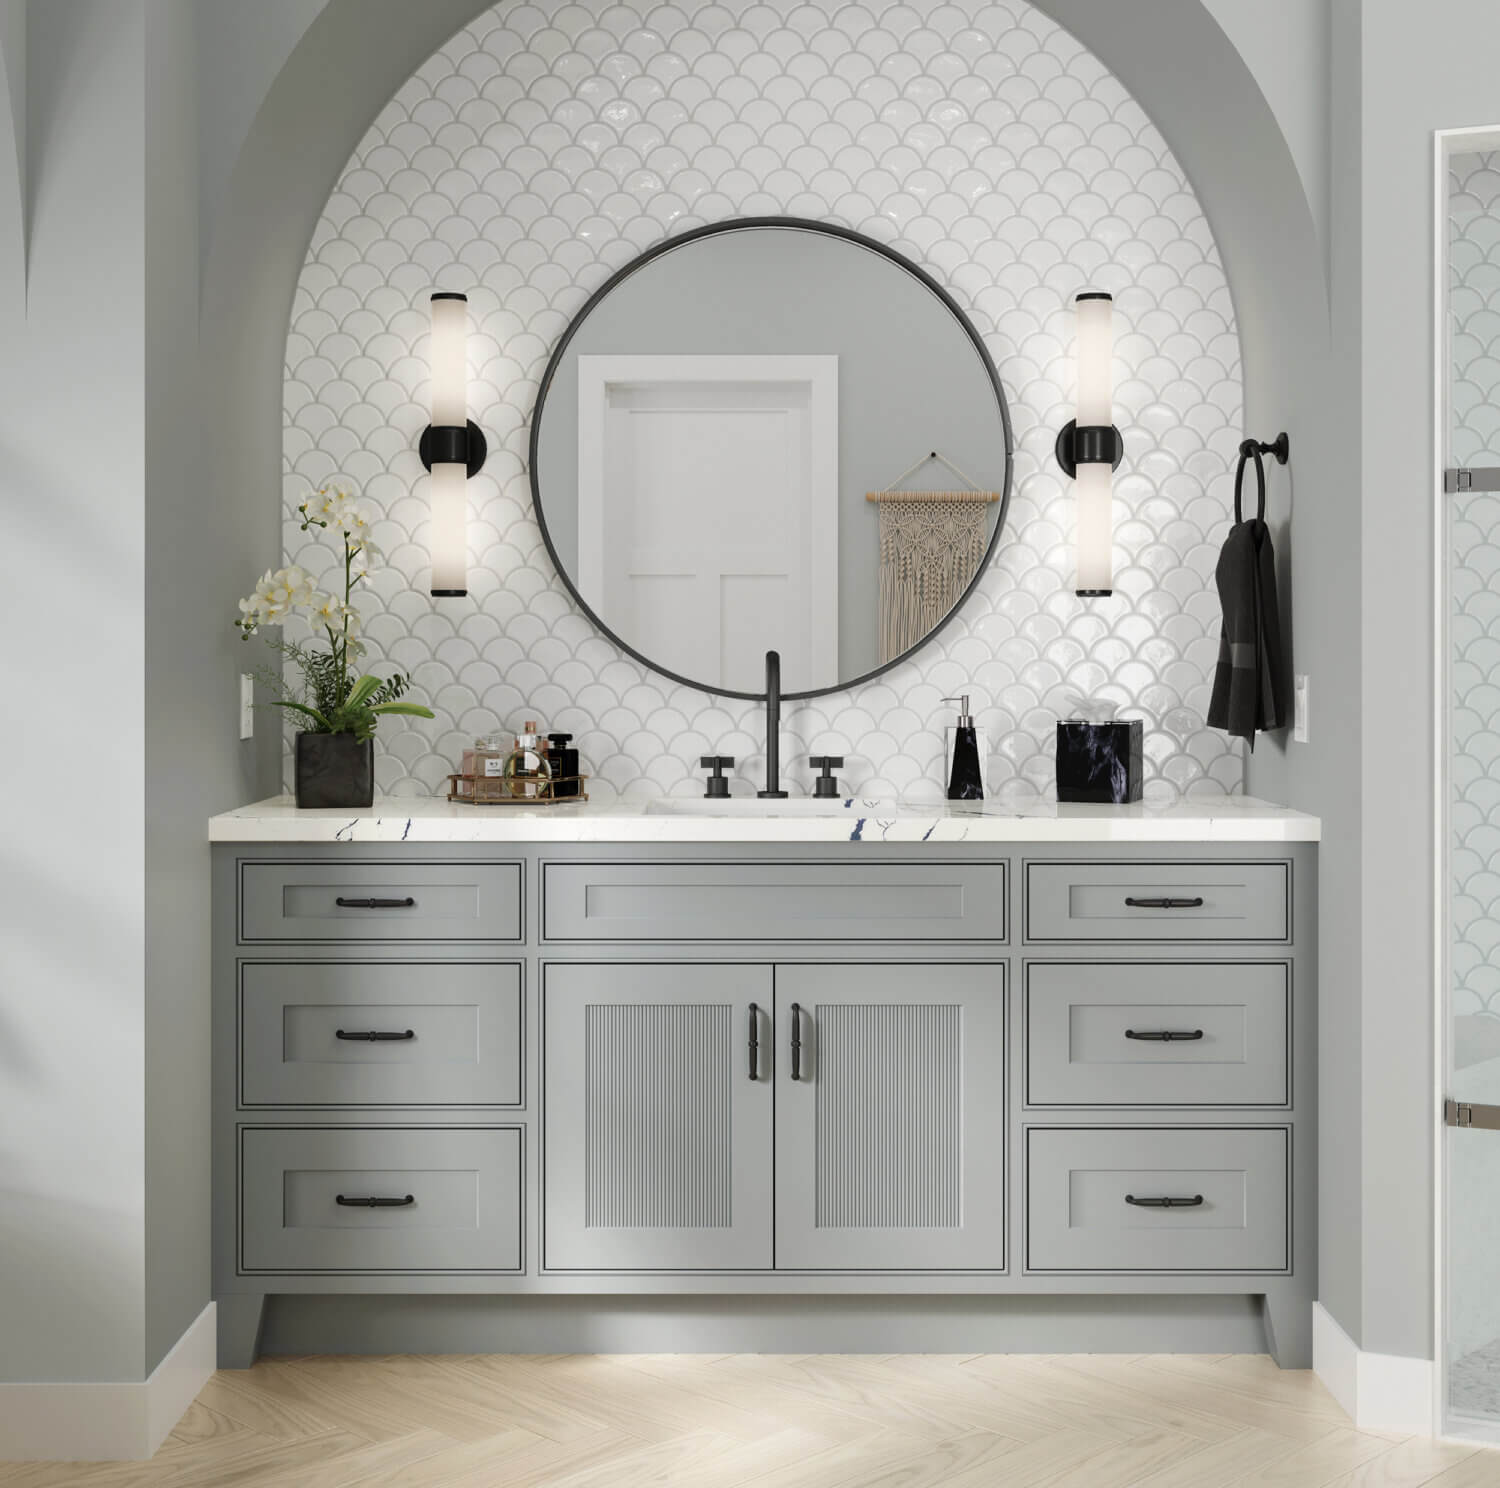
452,448
1090,448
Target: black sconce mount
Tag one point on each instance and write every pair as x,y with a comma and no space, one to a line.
447,444
1094,444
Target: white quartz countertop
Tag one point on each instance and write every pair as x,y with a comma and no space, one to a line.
419,819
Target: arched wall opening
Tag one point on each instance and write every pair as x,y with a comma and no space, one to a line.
1181,68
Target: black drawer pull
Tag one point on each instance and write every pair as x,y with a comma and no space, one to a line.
1163,903
1165,1035
754,1041
407,903
377,1035
796,1041
1165,1203
373,1203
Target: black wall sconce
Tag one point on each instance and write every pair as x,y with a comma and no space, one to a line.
452,448
1089,447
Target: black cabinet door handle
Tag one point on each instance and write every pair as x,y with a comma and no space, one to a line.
375,903
373,1203
375,1035
1163,903
1165,1035
754,1041
1165,1203
796,1041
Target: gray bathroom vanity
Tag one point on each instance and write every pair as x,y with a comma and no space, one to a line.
868,1050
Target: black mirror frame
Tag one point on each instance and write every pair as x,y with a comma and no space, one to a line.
742,224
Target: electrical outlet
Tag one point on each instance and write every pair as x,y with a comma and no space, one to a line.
1300,686
247,706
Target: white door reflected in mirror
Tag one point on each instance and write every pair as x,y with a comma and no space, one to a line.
708,488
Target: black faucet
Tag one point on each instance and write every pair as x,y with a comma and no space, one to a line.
773,790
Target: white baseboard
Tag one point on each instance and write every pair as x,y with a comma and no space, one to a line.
123,1422
1381,1392
175,1382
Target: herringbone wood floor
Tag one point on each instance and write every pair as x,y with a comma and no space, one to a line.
492,1421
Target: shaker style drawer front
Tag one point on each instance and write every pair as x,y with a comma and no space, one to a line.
336,1033
1166,1033
1157,1199
363,902
380,1199
773,901
1161,902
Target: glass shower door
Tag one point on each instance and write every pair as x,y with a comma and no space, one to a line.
1472,868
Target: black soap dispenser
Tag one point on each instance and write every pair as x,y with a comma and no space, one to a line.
965,780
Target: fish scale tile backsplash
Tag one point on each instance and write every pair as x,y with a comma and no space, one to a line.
543,147
1474,557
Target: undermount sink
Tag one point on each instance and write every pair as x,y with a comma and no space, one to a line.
754,806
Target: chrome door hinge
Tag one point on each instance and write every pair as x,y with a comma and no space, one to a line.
1463,1113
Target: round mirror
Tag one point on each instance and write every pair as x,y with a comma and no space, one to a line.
771,435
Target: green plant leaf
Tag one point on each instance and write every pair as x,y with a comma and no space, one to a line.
362,690
411,710
324,726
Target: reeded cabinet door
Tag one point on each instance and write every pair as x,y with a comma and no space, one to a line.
890,1117
657,1139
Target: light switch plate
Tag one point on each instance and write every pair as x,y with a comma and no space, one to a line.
1300,685
247,706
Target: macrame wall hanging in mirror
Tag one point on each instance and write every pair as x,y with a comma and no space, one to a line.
931,546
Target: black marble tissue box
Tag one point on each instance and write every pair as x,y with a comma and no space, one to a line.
1099,761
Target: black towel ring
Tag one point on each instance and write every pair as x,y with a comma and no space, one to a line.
1255,449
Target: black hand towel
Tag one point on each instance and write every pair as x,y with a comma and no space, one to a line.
1250,691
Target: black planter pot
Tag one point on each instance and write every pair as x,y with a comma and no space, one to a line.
335,770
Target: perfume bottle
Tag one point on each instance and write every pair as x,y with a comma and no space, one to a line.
485,759
526,770
564,761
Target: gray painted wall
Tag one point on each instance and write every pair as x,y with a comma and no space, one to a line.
1330,768
134,567
190,733
241,49
71,1015
1290,61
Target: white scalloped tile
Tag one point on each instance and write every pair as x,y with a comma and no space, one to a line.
544,147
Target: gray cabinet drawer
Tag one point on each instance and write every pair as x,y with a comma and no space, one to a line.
463,1183
1160,902
446,1034
928,900
1080,1180
1092,1033
362,902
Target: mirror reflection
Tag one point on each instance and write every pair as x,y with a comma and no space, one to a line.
720,441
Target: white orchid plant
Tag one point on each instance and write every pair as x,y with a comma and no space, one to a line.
334,697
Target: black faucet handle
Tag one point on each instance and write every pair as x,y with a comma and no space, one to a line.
718,786
825,785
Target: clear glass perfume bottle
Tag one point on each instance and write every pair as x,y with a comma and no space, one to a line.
526,770
486,760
